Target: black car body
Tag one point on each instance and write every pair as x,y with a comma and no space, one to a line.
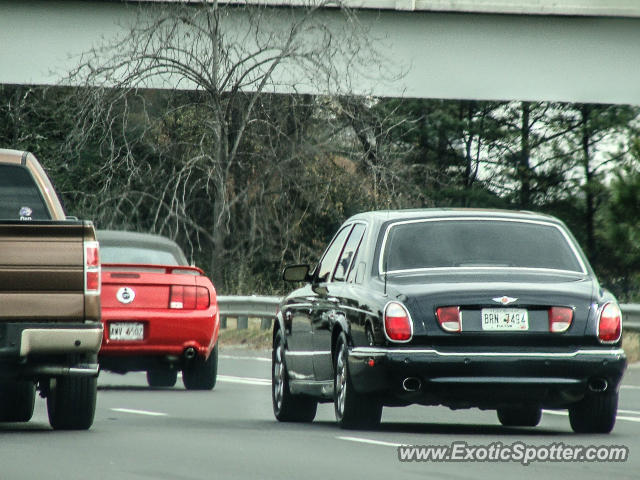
463,308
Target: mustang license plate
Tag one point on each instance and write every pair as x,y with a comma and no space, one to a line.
126,331
505,319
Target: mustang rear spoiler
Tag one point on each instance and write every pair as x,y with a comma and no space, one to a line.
140,266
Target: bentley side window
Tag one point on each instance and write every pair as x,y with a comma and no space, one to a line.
349,253
330,257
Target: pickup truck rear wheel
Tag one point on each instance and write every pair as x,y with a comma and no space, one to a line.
596,413
526,416
162,378
353,410
17,398
201,374
71,402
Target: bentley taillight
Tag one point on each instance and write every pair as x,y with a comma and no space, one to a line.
397,323
560,319
187,297
610,323
91,268
449,318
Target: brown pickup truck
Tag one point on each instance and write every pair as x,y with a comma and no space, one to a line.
50,329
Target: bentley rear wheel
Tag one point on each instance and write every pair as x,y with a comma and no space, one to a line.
353,410
596,413
287,407
525,416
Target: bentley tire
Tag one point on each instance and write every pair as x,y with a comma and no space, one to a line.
287,407
596,413
525,416
353,410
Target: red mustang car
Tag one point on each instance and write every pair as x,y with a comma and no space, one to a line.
160,315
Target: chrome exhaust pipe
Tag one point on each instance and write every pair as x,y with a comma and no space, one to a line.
411,384
598,385
190,353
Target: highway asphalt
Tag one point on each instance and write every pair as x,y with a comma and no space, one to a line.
230,433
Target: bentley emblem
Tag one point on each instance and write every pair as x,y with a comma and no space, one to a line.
125,295
504,300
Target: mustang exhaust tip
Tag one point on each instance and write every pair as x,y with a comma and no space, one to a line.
190,353
411,384
598,385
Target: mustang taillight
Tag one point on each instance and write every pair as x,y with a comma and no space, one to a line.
449,318
560,319
610,323
186,297
91,268
397,322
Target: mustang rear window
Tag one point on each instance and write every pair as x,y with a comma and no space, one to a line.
477,243
136,255
20,197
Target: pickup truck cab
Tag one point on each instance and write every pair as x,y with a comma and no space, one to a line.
50,328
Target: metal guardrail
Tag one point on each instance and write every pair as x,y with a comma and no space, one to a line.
630,316
243,307
264,307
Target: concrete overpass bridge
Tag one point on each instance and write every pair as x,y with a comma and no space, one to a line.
556,50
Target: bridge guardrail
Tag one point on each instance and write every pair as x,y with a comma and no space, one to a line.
265,307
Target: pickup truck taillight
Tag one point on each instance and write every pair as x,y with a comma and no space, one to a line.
91,268
187,297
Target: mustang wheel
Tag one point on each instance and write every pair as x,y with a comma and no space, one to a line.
162,378
528,416
71,402
595,413
286,406
200,374
352,409
17,398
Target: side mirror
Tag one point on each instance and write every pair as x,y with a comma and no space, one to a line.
296,273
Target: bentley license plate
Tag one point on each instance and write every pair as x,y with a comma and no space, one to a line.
505,319
126,331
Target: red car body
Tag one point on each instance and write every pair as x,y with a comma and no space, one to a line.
157,318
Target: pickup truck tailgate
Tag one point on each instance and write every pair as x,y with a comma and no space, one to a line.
42,272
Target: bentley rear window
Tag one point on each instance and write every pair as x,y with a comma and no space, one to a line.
20,197
478,243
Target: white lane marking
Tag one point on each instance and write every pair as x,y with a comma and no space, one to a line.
245,380
370,442
240,357
630,412
630,387
628,419
139,412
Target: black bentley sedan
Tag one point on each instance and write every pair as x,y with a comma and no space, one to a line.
464,308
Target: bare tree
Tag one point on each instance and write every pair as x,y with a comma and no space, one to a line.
221,63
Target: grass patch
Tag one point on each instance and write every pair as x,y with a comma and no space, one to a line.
253,338
631,346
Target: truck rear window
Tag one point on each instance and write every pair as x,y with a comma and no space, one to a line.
20,198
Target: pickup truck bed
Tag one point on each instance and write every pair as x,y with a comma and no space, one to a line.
50,328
